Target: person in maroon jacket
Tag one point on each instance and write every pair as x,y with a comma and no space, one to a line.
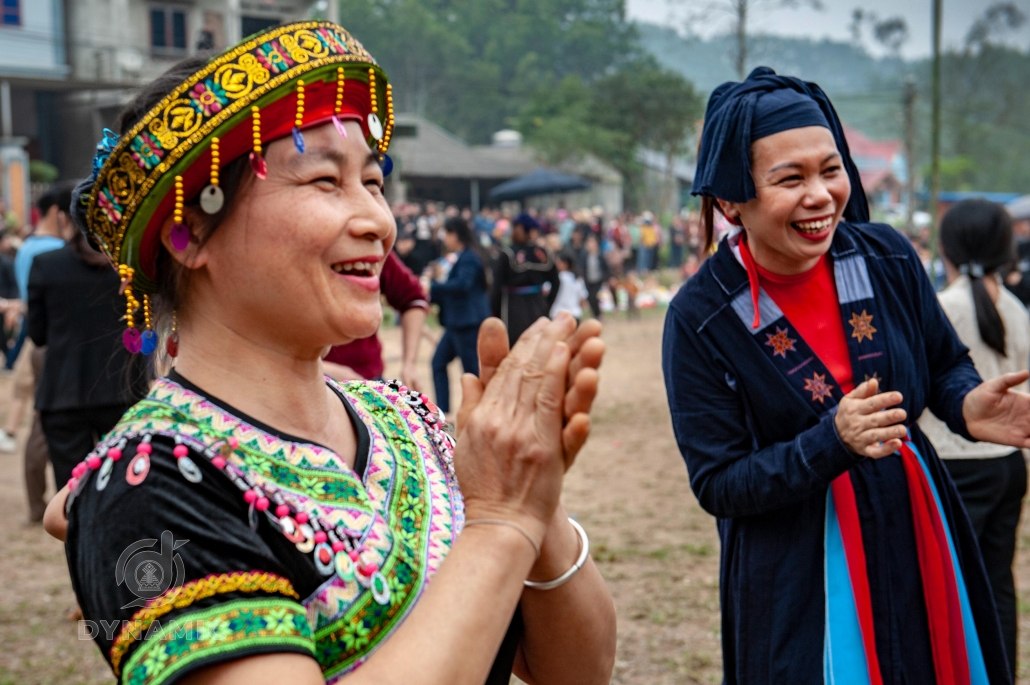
363,359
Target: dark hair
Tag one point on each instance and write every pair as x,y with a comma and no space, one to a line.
569,257
976,236
708,204
58,195
85,252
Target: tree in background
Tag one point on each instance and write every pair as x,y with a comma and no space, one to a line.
639,105
470,65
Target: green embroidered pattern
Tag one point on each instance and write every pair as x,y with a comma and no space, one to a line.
231,627
405,511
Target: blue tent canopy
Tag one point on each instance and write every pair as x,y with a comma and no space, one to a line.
539,182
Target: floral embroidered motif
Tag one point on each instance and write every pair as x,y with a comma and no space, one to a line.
781,343
112,209
208,97
331,41
230,627
273,57
146,151
862,325
184,595
819,388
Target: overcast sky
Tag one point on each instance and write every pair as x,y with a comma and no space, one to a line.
834,19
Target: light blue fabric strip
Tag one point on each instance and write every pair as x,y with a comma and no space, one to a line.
852,279
844,661
977,667
746,311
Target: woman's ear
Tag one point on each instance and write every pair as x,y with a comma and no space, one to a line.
193,256
730,210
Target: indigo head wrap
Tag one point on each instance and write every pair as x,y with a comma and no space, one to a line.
764,104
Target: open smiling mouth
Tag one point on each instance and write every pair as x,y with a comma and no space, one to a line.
813,227
363,269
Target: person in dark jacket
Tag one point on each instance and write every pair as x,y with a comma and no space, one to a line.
89,379
796,362
463,307
594,269
518,297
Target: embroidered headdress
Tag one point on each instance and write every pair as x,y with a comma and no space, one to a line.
271,85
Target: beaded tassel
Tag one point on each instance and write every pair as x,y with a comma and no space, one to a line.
384,144
131,337
211,198
340,85
375,126
257,162
148,341
298,137
180,235
172,344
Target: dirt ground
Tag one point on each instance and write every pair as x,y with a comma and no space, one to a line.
657,549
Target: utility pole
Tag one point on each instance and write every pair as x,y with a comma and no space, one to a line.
935,137
741,10
910,152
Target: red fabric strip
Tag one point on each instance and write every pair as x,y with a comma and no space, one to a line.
940,590
752,277
854,552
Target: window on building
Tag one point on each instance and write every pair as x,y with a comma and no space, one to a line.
11,13
167,31
251,25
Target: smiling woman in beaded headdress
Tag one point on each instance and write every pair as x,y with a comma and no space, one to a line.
250,520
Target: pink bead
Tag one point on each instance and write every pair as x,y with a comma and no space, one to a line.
301,517
180,451
261,504
367,569
79,469
233,442
144,448
218,462
73,483
93,462
320,536
114,454
282,510
353,554
338,546
250,496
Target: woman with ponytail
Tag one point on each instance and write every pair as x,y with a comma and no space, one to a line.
976,239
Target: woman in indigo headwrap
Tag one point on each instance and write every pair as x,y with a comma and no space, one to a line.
794,362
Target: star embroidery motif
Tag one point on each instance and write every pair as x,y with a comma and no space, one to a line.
862,325
819,388
875,376
780,343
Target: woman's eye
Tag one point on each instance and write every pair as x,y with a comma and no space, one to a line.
788,180
325,181
374,183
831,170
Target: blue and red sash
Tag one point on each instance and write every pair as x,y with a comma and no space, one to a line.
849,649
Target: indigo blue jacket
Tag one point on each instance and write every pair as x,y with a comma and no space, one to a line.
462,297
761,459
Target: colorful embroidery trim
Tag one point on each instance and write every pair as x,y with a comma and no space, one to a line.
184,595
780,342
231,627
862,325
819,388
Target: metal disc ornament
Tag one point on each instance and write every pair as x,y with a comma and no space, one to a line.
375,127
212,199
104,474
308,543
138,469
344,567
189,470
324,561
380,588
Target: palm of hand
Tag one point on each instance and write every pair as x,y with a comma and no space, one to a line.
994,412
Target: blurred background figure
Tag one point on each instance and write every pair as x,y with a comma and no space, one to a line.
522,271
572,292
976,239
462,298
594,269
88,378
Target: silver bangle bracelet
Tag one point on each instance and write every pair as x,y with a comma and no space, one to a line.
584,552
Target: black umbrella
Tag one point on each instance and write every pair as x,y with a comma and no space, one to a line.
540,182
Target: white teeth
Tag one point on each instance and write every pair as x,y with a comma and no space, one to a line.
814,226
349,267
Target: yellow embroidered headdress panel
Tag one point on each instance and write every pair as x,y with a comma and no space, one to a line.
269,86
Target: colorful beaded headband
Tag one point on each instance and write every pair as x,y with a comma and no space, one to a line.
272,85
